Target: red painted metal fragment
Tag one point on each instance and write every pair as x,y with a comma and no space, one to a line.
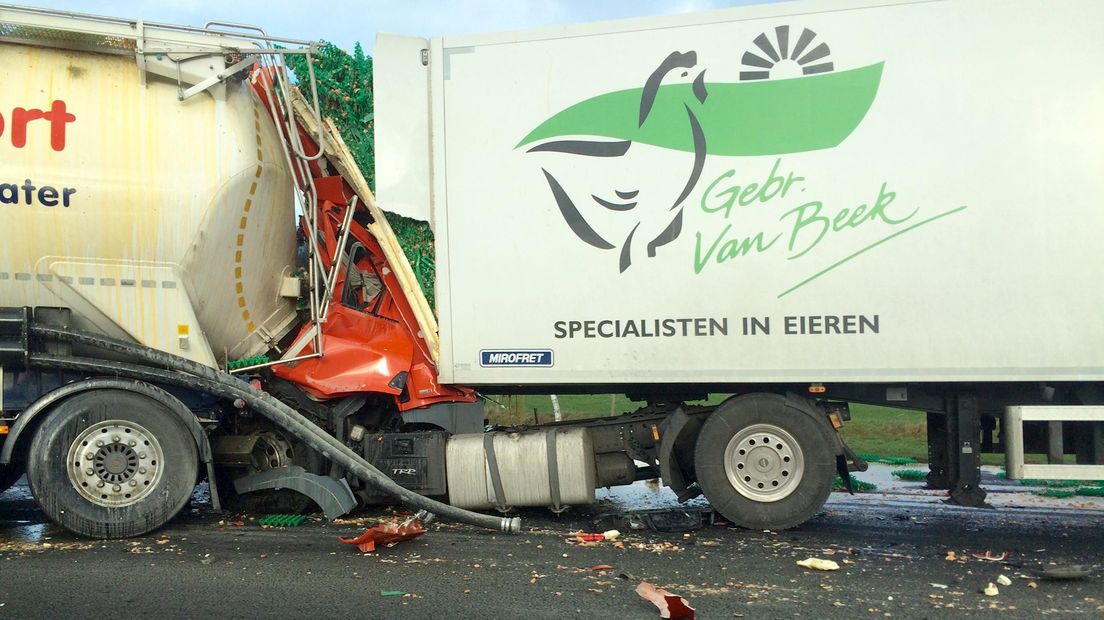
385,534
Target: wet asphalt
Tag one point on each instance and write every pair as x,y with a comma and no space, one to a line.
893,547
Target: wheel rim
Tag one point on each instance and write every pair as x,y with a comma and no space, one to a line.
764,463
115,463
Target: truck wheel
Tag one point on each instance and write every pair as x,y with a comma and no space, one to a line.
765,462
112,464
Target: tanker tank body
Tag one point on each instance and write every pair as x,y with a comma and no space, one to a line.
166,222
149,209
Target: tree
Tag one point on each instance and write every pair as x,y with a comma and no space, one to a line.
345,94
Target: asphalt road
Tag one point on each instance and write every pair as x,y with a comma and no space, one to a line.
892,548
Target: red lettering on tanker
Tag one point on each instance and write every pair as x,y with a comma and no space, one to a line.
16,124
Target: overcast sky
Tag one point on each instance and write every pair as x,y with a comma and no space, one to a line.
347,21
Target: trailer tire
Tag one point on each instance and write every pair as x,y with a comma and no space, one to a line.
112,464
765,461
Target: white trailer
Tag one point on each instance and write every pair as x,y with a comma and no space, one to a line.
890,202
794,192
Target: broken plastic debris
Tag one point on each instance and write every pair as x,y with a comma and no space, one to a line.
991,557
951,556
392,593
991,590
818,564
589,537
669,605
1004,580
611,534
386,534
938,585
601,567
281,521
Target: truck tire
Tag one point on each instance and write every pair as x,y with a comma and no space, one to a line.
765,461
112,464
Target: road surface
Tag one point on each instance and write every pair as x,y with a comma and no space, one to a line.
892,546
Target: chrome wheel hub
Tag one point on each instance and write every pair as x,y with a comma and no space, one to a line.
764,463
115,463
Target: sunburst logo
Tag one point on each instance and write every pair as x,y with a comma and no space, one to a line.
621,165
777,55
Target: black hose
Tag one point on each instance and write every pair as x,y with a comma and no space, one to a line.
207,379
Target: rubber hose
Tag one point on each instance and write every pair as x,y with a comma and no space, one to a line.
228,386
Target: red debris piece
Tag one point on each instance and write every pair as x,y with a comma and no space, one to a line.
588,537
669,605
601,567
991,557
386,534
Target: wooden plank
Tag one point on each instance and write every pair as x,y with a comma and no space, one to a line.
339,155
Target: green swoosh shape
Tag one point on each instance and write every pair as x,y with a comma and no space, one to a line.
770,117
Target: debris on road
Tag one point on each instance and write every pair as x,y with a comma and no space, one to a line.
1063,572
989,556
1004,580
601,567
858,485
281,521
909,475
611,534
951,556
670,520
990,590
659,547
669,605
386,534
938,585
818,564
392,593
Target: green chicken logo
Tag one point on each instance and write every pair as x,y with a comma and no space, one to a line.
678,110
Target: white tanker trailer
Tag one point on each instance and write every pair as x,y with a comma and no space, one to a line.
171,224
165,314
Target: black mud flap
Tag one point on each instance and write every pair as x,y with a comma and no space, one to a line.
847,463
334,497
679,431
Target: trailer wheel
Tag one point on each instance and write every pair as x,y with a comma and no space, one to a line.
112,464
765,462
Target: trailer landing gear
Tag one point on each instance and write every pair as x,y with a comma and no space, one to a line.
954,451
